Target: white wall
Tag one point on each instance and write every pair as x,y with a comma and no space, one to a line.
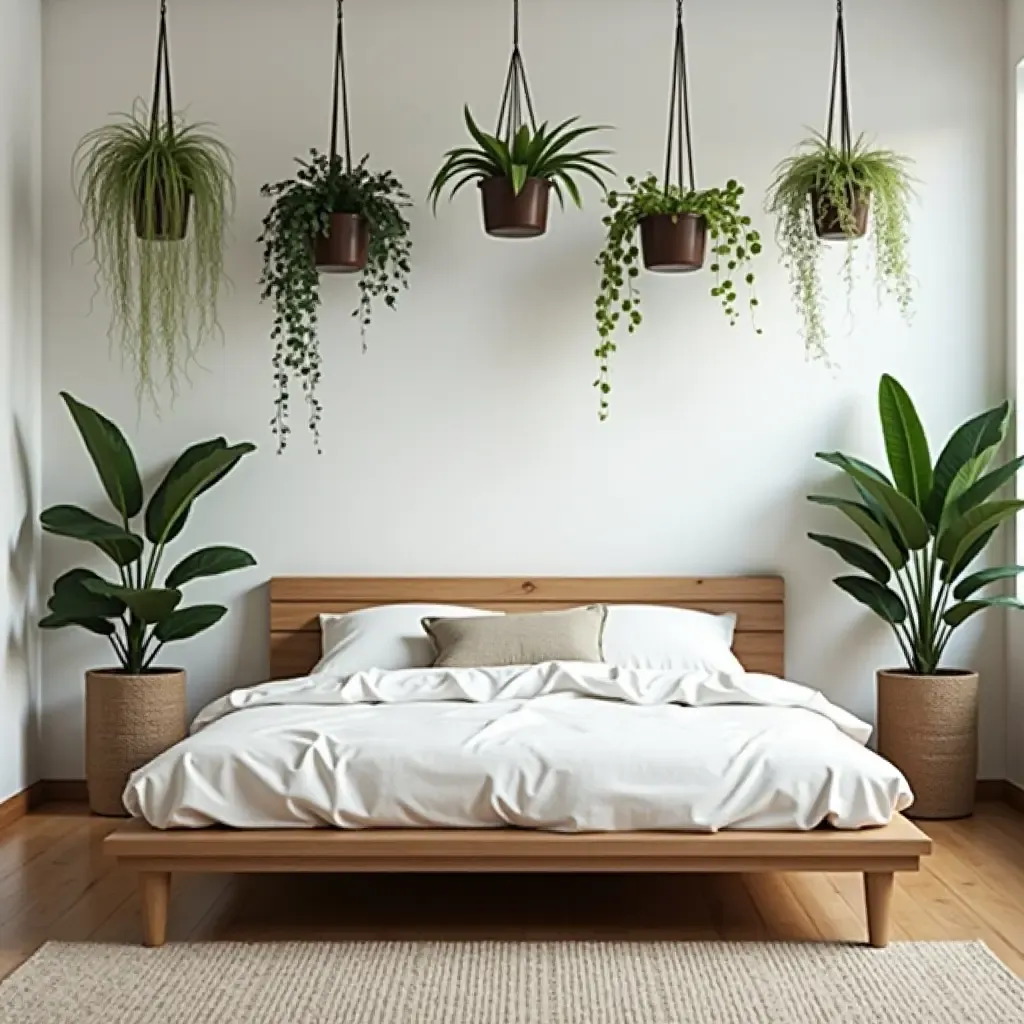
466,441
1015,367
20,286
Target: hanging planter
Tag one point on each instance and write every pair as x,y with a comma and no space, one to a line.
519,165
156,193
333,217
831,191
674,221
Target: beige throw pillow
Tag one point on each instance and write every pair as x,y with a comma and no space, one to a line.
524,639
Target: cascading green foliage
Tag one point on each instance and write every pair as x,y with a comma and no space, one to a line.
927,525
822,168
734,244
133,177
301,212
541,154
134,612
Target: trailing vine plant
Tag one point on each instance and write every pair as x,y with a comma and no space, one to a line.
824,176
156,193
734,244
301,212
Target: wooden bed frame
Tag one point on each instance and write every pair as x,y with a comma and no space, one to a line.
295,603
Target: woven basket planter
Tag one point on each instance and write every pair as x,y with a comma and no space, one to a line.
128,721
928,728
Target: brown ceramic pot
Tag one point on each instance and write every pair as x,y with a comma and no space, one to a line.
827,222
507,215
673,244
128,721
928,728
344,248
164,227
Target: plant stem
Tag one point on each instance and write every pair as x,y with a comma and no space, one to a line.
152,657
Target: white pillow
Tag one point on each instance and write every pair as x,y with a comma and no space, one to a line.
654,636
388,637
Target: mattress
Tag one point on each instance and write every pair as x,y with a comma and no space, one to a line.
561,746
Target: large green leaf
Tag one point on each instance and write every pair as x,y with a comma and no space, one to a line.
875,531
960,613
101,627
185,623
519,172
149,605
212,561
885,603
73,600
984,433
904,515
988,485
114,541
965,529
856,555
905,443
977,580
197,469
954,570
111,456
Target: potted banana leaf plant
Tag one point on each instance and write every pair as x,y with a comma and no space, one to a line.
921,531
517,176
137,709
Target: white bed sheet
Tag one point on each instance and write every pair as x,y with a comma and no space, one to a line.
561,746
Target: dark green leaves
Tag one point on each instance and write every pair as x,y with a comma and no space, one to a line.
73,599
875,531
884,602
977,580
114,541
148,605
960,613
856,555
195,471
956,538
111,456
905,442
980,436
188,622
900,511
212,561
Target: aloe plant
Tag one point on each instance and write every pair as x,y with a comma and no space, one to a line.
543,153
926,526
136,613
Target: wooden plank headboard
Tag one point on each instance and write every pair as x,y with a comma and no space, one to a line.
296,601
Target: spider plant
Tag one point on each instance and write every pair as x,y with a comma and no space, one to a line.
137,180
542,154
823,182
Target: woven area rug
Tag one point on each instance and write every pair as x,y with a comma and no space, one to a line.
512,983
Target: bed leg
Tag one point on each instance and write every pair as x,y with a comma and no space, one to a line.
878,889
154,894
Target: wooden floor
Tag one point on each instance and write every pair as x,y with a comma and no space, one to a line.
56,884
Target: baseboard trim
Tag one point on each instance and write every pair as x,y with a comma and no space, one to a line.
20,804
1013,795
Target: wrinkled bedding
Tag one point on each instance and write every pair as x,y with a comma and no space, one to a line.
568,747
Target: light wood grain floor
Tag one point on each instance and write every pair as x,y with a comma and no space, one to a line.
56,884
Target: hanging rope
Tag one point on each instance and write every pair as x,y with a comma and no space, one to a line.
340,93
840,88
162,81
517,90
680,135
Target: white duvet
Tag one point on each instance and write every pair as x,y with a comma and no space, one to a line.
562,746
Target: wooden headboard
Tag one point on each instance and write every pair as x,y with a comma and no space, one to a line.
296,601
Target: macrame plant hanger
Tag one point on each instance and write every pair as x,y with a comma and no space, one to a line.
516,96
344,249
510,214
339,102
831,223
676,245
158,217
680,135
